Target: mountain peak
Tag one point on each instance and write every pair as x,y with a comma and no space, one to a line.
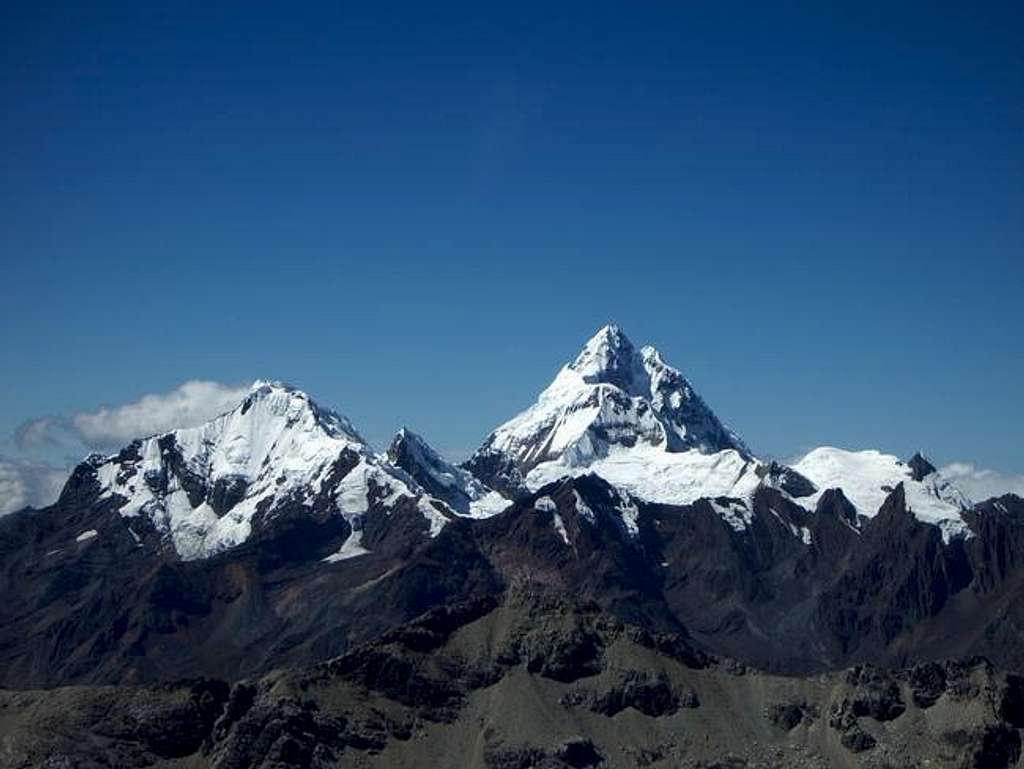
405,434
407,437
269,384
609,336
613,402
608,356
455,486
272,388
610,331
205,489
274,400
920,466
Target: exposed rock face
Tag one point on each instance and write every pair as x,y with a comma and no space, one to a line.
787,479
458,689
900,577
650,695
106,610
89,727
497,471
455,486
920,468
927,684
789,715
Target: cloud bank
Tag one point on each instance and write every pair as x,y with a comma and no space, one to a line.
188,405
25,483
28,482
980,484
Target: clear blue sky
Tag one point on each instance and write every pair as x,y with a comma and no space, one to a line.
419,213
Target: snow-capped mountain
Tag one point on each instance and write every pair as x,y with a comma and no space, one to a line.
205,489
612,396
625,415
457,487
868,477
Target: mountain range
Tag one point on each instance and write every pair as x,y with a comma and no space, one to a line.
275,538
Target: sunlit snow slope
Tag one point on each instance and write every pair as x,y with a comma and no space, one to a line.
867,478
203,487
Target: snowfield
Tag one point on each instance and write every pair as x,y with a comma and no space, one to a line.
654,475
867,477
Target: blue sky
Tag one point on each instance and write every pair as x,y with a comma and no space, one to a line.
418,214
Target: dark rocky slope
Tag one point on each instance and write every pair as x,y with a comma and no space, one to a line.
109,610
531,681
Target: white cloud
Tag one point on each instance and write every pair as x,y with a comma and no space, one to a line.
980,484
41,432
188,405
24,483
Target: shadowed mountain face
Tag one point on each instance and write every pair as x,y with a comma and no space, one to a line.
532,680
778,587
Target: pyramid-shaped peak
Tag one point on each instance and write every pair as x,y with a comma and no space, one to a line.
609,356
610,334
613,398
609,339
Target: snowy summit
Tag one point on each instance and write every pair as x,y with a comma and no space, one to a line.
203,489
625,415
